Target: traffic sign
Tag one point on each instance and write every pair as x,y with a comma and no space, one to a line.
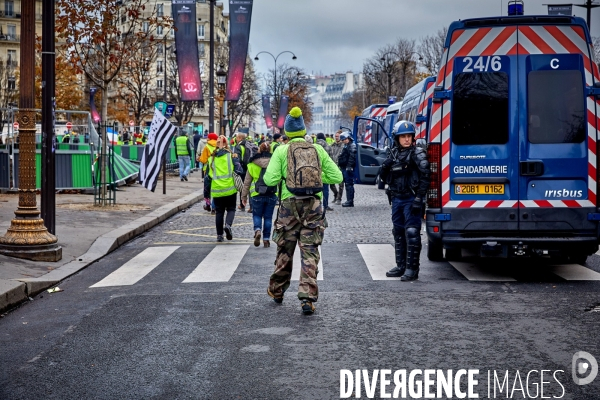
16,125
131,123
69,125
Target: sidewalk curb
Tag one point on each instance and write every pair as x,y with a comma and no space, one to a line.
14,291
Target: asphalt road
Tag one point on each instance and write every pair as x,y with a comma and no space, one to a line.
161,337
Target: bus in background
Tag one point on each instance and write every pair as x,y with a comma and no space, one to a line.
416,105
391,116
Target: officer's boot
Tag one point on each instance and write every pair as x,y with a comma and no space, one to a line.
400,249
413,253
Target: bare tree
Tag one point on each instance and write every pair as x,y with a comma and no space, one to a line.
431,49
390,71
103,35
291,82
246,108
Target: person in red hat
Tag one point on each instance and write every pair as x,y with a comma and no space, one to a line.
208,151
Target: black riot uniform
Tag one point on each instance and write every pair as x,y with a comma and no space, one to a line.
406,171
347,163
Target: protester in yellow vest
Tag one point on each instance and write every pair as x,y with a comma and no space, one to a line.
183,151
222,166
277,139
263,198
207,151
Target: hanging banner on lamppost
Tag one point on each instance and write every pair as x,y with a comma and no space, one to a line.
93,110
283,106
186,43
240,12
266,102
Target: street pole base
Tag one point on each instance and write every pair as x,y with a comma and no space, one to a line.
29,239
50,252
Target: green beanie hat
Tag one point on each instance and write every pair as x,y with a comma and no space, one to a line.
294,124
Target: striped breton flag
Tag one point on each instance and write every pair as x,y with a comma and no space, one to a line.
161,132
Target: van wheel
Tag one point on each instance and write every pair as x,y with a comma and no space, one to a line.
435,252
380,184
454,254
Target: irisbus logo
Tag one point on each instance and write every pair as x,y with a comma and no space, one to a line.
561,193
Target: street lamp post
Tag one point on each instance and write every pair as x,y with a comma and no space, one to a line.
275,70
27,237
221,82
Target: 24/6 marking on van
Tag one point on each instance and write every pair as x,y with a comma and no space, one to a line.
482,64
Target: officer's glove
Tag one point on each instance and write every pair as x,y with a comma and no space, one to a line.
349,169
387,164
417,206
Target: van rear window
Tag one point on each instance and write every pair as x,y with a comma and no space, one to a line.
556,107
480,108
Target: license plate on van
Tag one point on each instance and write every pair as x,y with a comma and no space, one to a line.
496,188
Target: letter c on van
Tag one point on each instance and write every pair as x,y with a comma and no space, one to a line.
554,63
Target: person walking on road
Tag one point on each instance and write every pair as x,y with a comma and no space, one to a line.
183,151
304,168
221,167
197,138
406,171
199,149
207,151
347,162
323,143
262,197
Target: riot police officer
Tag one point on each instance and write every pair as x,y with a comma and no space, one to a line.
406,171
347,163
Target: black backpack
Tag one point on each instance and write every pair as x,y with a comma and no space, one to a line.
261,187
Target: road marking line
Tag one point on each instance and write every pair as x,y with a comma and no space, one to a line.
475,272
219,265
379,259
298,265
138,267
575,272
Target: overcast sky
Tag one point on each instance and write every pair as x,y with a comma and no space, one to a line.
331,36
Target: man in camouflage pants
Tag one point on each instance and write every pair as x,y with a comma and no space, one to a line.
300,220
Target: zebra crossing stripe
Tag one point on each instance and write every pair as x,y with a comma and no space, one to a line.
575,272
138,267
475,272
219,265
379,258
298,265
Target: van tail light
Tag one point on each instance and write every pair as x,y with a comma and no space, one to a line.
434,154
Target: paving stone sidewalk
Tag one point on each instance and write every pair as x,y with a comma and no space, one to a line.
87,233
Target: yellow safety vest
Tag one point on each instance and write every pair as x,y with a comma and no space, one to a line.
221,172
211,148
181,144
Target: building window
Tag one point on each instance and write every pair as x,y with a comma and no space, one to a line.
159,66
12,85
11,58
172,33
11,32
9,8
145,26
159,83
159,30
123,19
201,31
201,49
159,48
159,10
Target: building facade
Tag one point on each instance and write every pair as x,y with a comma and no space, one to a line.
337,90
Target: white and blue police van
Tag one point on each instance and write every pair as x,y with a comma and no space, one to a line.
512,140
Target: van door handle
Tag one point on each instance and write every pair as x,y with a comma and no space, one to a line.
531,168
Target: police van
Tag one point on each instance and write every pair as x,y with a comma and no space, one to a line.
512,140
